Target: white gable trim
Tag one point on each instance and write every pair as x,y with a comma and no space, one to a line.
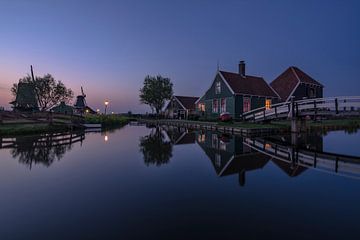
180,103
223,79
226,83
274,90
197,101
297,85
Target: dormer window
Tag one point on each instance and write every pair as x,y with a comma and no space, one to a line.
218,87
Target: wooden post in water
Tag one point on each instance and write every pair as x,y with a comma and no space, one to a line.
294,125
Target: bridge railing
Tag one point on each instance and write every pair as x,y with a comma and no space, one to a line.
324,106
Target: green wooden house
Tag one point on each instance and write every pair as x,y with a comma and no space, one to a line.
235,93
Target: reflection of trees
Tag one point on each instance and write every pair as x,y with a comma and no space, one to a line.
44,149
155,149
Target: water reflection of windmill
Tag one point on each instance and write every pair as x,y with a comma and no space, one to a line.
41,149
81,106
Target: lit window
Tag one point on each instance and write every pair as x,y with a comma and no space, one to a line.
201,107
201,138
215,106
218,87
223,105
268,104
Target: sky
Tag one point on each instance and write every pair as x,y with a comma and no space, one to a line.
108,47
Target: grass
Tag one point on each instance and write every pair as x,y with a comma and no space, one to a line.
107,120
351,122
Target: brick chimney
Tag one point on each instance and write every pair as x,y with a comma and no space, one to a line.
242,68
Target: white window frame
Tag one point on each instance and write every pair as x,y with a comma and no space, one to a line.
223,107
215,110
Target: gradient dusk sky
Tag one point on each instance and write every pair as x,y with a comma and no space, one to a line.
108,47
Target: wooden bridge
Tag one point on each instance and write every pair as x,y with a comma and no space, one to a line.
318,107
344,165
7,117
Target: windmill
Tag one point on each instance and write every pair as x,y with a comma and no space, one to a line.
80,103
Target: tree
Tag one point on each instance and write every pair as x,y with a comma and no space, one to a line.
49,92
156,91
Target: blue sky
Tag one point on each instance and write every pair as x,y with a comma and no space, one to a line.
108,47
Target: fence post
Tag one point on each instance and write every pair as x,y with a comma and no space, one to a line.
315,110
264,114
336,106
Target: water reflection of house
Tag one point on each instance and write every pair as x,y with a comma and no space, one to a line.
178,135
229,155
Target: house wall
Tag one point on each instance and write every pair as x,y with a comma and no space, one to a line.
256,102
301,91
173,109
210,95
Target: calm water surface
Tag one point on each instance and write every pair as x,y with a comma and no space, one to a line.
148,183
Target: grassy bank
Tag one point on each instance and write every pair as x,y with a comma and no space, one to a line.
107,120
25,129
334,124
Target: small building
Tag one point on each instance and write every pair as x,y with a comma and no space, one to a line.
294,82
235,93
63,108
25,100
181,107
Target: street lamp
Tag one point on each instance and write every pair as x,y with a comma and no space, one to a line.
106,104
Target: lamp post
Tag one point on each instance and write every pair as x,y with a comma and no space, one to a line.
106,104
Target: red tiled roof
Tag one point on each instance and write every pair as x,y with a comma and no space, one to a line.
250,85
287,81
187,102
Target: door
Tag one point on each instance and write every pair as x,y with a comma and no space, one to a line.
247,104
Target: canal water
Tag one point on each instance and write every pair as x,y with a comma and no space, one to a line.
170,183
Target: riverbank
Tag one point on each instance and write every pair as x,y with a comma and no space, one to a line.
107,121
261,129
23,127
